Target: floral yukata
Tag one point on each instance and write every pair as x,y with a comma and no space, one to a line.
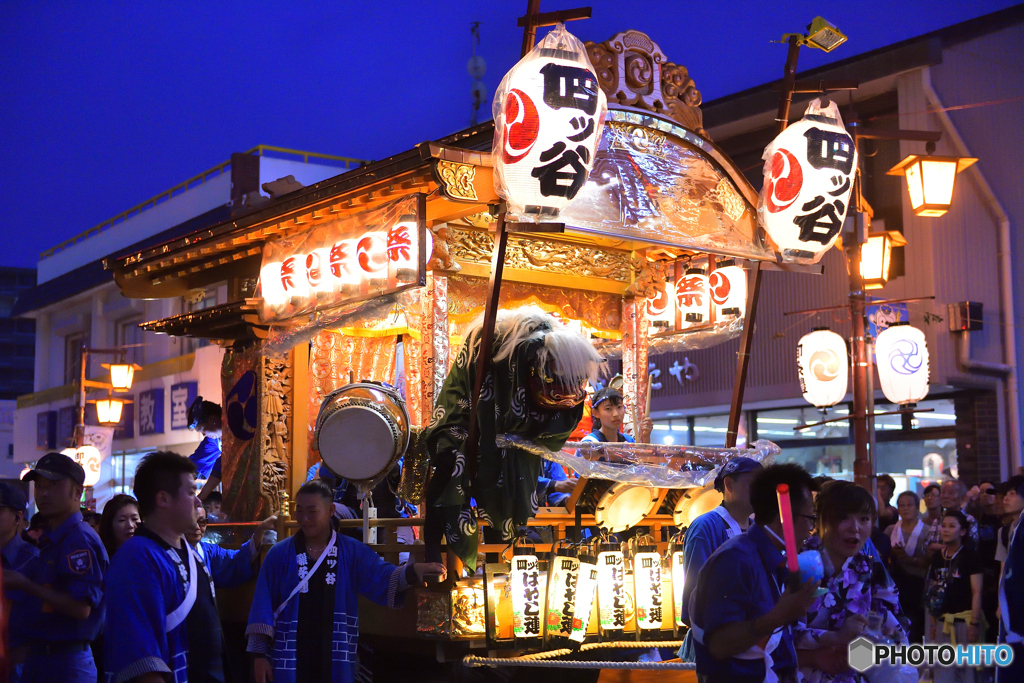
860,586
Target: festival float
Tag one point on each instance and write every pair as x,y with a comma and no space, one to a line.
506,266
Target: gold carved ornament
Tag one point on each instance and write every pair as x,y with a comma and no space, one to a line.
277,399
650,277
634,72
457,179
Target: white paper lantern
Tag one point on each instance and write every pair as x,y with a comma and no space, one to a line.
692,297
561,600
647,588
611,588
586,591
901,354
344,265
526,596
548,116
808,180
678,581
823,367
727,286
90,458
661,311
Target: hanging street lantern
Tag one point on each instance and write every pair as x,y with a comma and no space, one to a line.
121,375
549,113
647,587
586,591
611,588
526,597
808,180
822,367
727,286
90,458
930,181
692,297
876,257
901,354
108,410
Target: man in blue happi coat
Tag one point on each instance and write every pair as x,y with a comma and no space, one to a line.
709,531
304,621
228,568
16,555
1011,605
65,583
162,620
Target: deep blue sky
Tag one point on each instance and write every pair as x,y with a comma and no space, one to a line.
105,104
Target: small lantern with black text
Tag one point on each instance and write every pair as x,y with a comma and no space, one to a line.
647,587
526,594
692,296
611,588
563,575
586,591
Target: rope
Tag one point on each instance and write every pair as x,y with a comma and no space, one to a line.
546,659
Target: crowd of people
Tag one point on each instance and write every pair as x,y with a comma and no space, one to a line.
952,573
131,594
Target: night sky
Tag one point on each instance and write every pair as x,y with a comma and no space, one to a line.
104,104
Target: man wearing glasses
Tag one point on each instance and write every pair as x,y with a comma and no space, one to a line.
227,568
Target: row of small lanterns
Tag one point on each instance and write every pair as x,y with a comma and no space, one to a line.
700,296
901,354
579,577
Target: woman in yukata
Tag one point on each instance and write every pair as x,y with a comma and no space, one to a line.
857,585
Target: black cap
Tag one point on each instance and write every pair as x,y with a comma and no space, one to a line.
195,415
12,497
735,466
57,466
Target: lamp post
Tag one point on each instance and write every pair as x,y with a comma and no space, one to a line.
108,411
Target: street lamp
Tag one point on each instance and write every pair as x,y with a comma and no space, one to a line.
121,375
876,256
930,181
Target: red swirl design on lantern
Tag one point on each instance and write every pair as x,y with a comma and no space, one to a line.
720,287
522,125
785,182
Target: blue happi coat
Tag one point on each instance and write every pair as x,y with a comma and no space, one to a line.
228,568
148,588
358,571
1011,601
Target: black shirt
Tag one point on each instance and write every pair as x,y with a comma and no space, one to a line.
202,625
315,631
957,573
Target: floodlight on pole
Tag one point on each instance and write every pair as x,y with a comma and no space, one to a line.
821,34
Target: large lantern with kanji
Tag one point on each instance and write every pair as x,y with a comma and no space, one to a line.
548,116
901,355
822,367
808,183
692,297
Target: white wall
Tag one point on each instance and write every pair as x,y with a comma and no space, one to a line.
189,204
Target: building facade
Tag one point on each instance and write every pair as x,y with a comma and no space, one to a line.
76,303
961,81
17,348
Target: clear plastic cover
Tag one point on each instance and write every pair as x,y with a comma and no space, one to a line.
679,341
644,464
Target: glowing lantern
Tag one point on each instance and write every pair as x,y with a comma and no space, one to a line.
661,314
562,586
586,591
525,580
271,288
318,270
372,254
692,296
727,287
678,580
90,458
930,181
822,368
121,375
108,410
647,587
294,280
611,588
876,256
808,179
902,357
548,116
344,266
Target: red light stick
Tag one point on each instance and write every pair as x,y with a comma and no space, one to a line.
788,535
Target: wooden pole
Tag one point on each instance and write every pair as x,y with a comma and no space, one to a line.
746,338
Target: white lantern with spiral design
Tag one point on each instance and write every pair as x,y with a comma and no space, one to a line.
901,354
727,287
823,368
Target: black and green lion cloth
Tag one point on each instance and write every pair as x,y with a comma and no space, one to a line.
534,389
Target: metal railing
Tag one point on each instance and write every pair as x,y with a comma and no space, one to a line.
209,174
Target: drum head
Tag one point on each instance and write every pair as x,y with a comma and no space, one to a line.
624,506
694,503
357,443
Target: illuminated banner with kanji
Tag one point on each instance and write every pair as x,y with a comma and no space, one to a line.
343,261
